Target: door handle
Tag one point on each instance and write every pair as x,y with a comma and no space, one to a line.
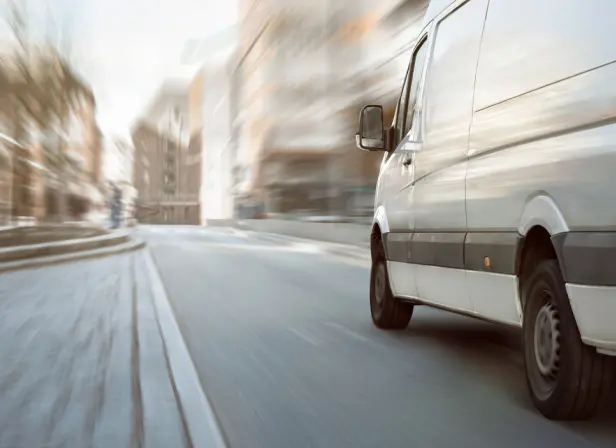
407,161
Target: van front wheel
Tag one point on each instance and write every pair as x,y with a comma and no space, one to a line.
387,311
566,378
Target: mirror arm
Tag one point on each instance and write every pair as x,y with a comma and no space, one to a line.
388,139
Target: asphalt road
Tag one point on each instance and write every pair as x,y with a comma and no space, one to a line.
282,340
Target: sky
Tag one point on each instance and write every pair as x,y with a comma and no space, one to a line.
126,48
130,46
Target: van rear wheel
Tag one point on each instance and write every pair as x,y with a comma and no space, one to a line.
565,377
387,311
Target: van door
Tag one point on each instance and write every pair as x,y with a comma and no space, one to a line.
400,214
437,246
390,178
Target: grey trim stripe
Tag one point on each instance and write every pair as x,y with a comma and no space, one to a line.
396,246
587,258
501,247
457,250
438,249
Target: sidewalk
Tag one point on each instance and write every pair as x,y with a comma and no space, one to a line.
83,362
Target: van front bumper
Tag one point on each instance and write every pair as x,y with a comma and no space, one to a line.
594,308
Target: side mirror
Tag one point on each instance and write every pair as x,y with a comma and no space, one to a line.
371,136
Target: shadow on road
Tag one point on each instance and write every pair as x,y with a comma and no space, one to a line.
496,350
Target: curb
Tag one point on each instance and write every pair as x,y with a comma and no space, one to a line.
37,262
201,423
17,253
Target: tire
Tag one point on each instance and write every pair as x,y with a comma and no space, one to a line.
388,312
566,378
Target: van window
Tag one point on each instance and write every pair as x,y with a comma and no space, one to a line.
450,86
418,63
401,111
408,96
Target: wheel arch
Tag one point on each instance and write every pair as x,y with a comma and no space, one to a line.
380,219
380,228
541,210
541,220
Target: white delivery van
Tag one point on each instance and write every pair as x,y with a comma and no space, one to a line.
497,192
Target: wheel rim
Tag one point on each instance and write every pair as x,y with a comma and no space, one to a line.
379,286
546,347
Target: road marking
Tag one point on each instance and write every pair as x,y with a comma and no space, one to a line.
199,414
302,334
238,233
352,334
307,247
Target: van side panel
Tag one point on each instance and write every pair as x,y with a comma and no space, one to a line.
440,166
529,44
437,245
545,118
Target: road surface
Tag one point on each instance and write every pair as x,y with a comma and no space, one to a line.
283,343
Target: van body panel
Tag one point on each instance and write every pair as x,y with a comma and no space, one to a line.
575,170
440,166
530,44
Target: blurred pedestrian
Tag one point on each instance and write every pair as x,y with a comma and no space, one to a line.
116,207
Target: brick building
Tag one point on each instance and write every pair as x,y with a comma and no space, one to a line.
82,167
54,165
147,172
165,173
8,148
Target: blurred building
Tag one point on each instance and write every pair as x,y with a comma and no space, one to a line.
27,187
194,159
167,191
397,30
119,165
9,149
305,69
147,172
210,119
20,156
57,162
82,158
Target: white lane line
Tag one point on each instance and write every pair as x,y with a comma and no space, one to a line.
302,334
308,247
238,233
352,334
202,246
198,412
